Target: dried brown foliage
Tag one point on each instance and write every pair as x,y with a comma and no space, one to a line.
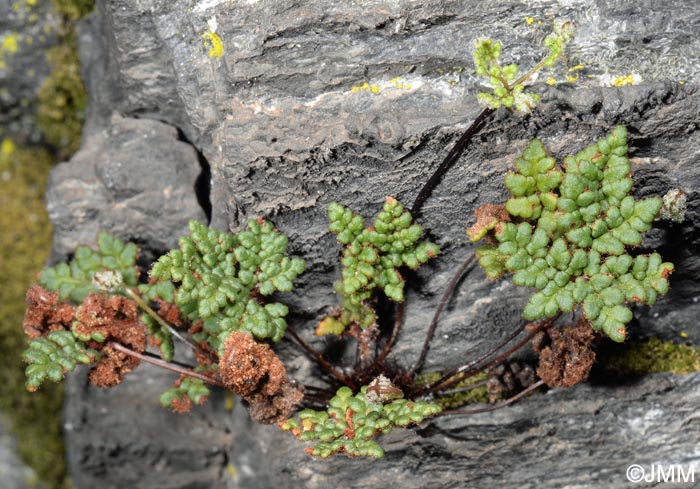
116,319
45,313
566,355
112,367
487,216
254,372
181,405
169,312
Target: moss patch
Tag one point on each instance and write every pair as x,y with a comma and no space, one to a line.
25,241
73,10
651,356
477,395
62,99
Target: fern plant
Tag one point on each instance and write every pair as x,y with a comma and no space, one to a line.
74,280
51,357
214,284
371,260
566,231
507,89
220,277
352,421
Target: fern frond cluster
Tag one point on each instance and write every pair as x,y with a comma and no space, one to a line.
371,260
566,231
507,89
351,422
220,278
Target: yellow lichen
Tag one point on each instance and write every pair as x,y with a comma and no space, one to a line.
7,149
397,83
620,81
214,43
624,81
551,81
529,20
228,401
366,87
9,44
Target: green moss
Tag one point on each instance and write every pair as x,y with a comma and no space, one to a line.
62,99
74,9
651,356
478,395
25,240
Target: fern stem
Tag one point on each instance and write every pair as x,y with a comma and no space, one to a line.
322,361
449,291
156,317
468,370
166,365
494,407
450,159
394,333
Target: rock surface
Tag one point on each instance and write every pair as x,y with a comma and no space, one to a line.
13,473
134,179
305,106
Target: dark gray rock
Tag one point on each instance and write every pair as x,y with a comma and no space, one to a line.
13,472
286,126
580,438
130,447
135,179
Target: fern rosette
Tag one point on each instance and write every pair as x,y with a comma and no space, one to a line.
567,231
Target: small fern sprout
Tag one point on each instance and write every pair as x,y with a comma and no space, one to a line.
507,89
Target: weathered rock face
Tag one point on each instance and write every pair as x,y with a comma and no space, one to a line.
304,107
134,179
